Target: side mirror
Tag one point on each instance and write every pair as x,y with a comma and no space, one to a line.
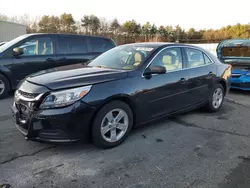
155,70
17,51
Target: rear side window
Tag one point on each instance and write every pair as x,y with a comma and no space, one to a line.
100,44
72,45
196,58
207,60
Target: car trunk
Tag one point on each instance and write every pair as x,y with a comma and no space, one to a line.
235,52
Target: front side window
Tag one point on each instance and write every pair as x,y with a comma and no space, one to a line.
170,58
126,57
72,45
37,46
195,58
100,44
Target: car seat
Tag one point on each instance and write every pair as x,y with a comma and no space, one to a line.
138,58
169,61
47,48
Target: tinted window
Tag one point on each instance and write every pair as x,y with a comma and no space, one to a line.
72,45
37,46
195,57
171,58
100,44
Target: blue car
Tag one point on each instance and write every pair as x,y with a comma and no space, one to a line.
236,52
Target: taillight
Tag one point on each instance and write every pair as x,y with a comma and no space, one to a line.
227,72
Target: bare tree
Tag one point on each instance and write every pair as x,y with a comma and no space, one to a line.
104,26
3,17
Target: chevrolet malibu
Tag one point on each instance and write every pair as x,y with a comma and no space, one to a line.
125,87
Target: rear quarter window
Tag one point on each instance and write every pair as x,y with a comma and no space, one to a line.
100,44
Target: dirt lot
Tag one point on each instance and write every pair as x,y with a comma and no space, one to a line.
196,149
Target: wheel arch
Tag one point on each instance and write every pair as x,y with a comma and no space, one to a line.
121,97
224,85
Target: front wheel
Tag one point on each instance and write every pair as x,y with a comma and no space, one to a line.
4,87
216,98
112,124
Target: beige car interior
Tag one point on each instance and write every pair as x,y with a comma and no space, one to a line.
43,47
195,59
138,59
169,60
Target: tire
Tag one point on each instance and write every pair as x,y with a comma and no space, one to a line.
4,86
211,107
104,140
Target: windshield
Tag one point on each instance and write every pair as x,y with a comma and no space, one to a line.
12,42
126,57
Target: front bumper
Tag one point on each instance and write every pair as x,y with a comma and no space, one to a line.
55,125
242,83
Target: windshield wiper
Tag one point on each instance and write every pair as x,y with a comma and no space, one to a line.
101,66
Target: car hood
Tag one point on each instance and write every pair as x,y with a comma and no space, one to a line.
74,76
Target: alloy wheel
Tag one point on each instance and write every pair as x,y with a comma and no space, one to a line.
217,98
2,87
114,125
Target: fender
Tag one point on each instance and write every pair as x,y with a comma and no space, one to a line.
122,97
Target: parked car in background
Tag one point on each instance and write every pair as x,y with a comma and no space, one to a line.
2,43
124,87
236,52
31,53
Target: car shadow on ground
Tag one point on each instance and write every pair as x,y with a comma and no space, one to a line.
143,131
239,92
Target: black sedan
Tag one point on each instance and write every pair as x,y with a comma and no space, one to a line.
125,87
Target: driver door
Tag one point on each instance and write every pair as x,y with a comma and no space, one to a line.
38,54
165,93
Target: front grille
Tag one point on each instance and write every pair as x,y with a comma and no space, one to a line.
28,95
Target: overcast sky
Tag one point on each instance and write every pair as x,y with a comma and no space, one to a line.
199,14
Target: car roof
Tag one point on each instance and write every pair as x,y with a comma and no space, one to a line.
161,44
63,34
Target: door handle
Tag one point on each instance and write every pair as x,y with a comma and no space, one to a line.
210,73
50,59
182,80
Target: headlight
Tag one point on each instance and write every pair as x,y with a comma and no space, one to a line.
65,97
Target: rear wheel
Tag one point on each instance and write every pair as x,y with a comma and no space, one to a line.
216,98
112,125
4,87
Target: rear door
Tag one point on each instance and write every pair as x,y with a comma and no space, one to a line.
73,49
99,45
201,74
39,54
